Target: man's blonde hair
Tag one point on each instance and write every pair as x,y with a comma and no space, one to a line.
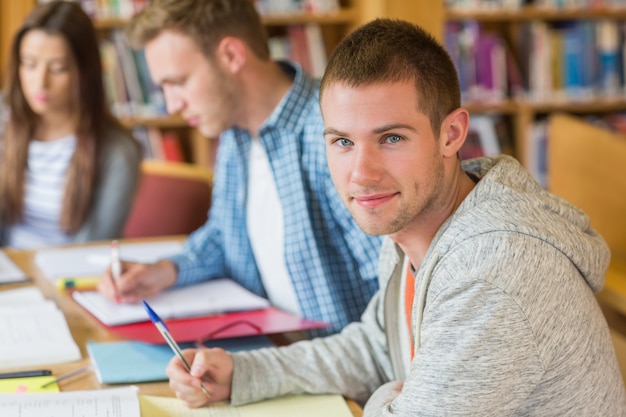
207,22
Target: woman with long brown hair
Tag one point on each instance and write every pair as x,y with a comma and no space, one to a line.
68,169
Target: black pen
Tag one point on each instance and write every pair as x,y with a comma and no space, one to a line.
26,374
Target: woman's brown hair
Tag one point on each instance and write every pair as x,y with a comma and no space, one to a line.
68,20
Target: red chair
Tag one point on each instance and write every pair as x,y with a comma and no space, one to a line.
173,199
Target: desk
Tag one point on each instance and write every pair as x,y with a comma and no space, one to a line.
85,328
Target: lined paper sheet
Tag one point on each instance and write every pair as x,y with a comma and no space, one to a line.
33,331
93,260
9,272
114,402
298,405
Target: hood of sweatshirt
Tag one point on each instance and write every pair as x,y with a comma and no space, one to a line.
507,198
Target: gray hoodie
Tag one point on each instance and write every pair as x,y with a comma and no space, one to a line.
504,317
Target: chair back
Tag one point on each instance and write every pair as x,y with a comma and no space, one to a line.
585,166
173,199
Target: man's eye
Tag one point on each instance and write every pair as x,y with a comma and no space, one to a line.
393,139
344,142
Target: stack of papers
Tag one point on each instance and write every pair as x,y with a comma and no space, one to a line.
9,272
124,402
93,260
216,296
33,331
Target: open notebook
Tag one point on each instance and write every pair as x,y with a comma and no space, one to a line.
212,297
33,331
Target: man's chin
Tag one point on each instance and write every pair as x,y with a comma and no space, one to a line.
373,227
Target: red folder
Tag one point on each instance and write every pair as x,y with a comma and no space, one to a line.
198,329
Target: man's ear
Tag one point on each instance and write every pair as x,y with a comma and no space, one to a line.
231,54
454,131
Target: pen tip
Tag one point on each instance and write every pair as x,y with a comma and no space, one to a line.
151,312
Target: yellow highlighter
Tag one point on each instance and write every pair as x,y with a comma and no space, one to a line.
77,283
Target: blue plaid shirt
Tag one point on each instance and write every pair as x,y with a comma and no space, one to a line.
331,261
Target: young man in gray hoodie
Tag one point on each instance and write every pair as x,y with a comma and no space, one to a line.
487,281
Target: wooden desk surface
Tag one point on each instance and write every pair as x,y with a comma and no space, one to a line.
85,328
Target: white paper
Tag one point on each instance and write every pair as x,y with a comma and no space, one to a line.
215,296
33,332
9,272
114,402
93,260
21,296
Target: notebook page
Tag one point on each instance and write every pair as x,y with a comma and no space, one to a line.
297,405
33,333
113,402
212,297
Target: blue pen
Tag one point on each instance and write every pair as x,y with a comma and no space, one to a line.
162,328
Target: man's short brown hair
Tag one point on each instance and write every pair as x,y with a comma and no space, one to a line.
389,50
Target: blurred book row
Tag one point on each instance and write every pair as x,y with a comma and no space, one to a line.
127,80
539,136
499,5
570,60
160,144
106,9
132,93
124,9
267,7
303,44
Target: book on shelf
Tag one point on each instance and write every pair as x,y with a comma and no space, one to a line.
483,62
485,137
160,145
172,150
303,44
270,7
107,9
128,85
579,60
537,152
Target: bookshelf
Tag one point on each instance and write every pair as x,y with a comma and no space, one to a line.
333,26
525,110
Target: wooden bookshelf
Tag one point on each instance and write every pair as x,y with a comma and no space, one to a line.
335,25
523,112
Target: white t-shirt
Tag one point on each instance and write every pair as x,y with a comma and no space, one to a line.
266,230
48,162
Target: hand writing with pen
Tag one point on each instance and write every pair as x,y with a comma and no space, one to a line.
211,368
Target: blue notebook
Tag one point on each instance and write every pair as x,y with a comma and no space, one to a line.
129,362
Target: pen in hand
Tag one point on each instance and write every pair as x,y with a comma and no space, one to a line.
162,328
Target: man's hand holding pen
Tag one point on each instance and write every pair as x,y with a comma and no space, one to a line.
212,368
137,281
